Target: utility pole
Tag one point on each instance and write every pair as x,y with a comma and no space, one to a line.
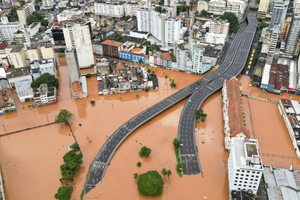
4,128
46,113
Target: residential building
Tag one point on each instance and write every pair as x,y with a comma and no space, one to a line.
143,20
131,9
213,38
296,6
182,58
69,15
47,50
245,167
40,67
21,37
217,7
263,9
274,39
157,25
293,35
25,11
193,6
16,56
167,58
79,37
172,31
33,53
130,25
233,113
7,29
20,79
110,9
278,14
6,97
202,5
237,7
297,48
111,48
58,36
44,95
48,3
33,29
285,28
97,48
219,27
197,58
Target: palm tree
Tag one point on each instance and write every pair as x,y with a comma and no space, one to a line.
164,171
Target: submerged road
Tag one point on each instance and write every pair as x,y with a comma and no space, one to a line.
237,58
103,157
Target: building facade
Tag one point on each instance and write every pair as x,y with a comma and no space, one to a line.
69,15
25,11
21,37
40,67
278,14
16,56
197,57
131,9
143,20
219,27
7,29
202,5
172,31
157,25
79,37
48,3
285,28
111,48
44,95
263,9
110,9
293,35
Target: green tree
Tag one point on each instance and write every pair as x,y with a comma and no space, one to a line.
176,143
252,76
179,166
135,175
137,96
140,61
146,89
64,193
61,50
164,171
93,102
150,183
75,146
88,75
169,173
260,19
139,164
173,84
145,151
203,13
182,9
150,49
127,17
230,17
148,43
149,71
31,18
166,76
158,9
235,29
153,72
257,1
44,22
45,78
63,117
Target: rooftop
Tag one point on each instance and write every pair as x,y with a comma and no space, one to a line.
23,71
111,42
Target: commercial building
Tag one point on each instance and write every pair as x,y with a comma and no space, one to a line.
40,67
69,15
172,31
197,57
130,25
143,20
21,37
278,14
7,29
44,95
25,11
233,112
293,35
16,55
263,9
111,48
245,167
79,37
110,9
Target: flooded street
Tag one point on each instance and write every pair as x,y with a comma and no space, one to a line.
30,160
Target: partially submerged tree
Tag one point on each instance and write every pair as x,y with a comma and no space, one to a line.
145,151
64,193
150,183
63,117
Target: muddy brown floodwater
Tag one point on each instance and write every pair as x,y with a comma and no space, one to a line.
30,160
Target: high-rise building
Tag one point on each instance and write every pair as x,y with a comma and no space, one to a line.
16,55
157,25
143,20
109,9
296,6
285,28
263,9
219,27
293,35
7,29
278,14
202,5
112,48
197,58
172,31
244,165
21,37
79,37
48,3
25,11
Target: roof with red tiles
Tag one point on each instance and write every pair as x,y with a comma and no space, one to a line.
235,109
120,65
167,56
3,46
76,86
180,16
112,43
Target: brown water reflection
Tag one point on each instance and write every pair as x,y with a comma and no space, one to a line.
34,152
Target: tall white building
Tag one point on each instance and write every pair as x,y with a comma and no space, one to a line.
143,20
110,9
219,27
131,9
7,29
202,5
79,37
279,13
197,58
172,31
48,3
293,35
244,165
25,11
69,14
157,25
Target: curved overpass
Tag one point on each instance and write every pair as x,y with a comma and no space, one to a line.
99,164
186,127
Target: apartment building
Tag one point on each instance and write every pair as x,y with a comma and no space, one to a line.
25,11
172,31
7,29
202,5
157,25
278,14
79,37
219,27
245,167
274,39
16,55
21,37
111,48
182,58
197,57
40,67
110,9
143,20
285,28
44,95
33,29
263,9
217,7
293,35
48,3
296,6
237,7
47,50
69,15
131,9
